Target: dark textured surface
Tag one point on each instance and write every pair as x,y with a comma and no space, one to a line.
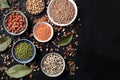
100,40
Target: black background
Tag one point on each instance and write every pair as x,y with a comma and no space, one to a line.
99,40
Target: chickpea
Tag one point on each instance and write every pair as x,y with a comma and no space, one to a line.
35,7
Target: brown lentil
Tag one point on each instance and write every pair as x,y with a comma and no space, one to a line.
62,11
35,6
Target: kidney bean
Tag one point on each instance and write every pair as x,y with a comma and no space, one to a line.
15,23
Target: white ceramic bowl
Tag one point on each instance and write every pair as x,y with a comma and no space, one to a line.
55,74
4,24
48,13
50,28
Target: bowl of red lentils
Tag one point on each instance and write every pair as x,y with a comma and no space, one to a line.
15,23
43,32
62,12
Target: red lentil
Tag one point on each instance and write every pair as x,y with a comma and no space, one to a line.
42,19
43,32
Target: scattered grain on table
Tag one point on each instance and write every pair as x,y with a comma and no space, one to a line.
68,51
71,67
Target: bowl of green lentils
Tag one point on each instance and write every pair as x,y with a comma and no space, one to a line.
23,51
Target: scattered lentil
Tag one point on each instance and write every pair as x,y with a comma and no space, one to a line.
76,35
47,49
42,19
78,19
30,76
1,28
72,67
41,50
76,43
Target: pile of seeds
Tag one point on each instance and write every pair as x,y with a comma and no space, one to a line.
62,11
49,47
43,32
52,64
35,6
15,23
23,51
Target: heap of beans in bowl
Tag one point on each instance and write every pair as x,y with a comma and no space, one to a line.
35,6
15,23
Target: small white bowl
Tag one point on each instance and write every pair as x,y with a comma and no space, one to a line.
52,32
4,24
49,75
48,13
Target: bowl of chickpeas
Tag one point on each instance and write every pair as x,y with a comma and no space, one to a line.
35,7
15,23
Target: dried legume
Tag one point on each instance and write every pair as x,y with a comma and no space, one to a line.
35,6
62,11
43,32
52,64
23,51
15,23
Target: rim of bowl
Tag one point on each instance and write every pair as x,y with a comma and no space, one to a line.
24,61
76,12
58,73
50,28
39,12
26,20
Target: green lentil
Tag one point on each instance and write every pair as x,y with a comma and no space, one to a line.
23,51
